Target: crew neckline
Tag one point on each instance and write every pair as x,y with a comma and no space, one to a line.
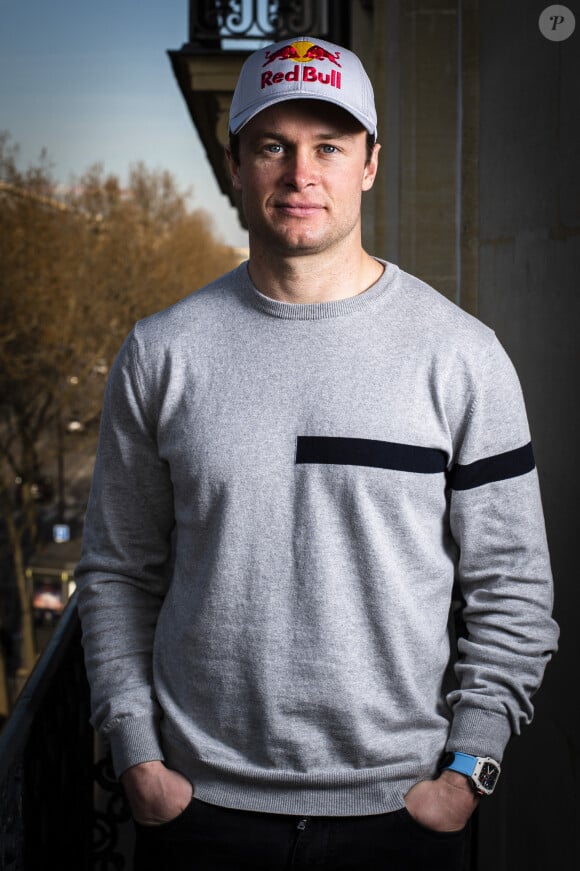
313,311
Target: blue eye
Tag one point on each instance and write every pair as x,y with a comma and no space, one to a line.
273,148
329,149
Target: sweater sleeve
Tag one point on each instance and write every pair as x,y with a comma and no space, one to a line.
503,569
124,568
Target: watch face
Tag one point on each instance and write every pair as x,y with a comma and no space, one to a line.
488,776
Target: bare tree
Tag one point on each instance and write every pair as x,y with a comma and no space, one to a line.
75,274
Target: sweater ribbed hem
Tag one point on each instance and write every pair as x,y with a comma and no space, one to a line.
348,792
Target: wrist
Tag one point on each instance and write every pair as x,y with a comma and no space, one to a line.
143,772
456,779
459,782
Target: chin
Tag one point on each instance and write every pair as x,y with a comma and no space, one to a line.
299,244
300,249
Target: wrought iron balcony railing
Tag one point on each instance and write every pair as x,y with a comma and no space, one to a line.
60,806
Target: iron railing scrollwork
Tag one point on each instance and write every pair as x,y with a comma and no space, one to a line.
112,830
216,23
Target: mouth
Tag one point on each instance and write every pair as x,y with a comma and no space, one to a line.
298,210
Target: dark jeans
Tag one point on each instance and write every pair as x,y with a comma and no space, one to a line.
209,838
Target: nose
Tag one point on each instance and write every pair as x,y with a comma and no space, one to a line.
301,170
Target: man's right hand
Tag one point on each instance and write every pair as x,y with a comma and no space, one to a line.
156,794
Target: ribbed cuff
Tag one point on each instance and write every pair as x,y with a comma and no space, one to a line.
134,740
478,732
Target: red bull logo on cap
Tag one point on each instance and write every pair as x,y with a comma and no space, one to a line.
302,54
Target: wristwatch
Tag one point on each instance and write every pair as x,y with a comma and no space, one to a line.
482,771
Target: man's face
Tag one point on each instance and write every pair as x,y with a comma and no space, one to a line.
303,166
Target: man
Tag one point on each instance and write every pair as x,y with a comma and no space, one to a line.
298,465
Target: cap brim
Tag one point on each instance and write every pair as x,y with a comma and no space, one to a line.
239,121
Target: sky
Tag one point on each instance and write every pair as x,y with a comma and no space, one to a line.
91,81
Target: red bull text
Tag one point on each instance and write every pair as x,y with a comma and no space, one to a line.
301,53
302,73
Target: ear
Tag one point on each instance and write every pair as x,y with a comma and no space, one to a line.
370,170
234,169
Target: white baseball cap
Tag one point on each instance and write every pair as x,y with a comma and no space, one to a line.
303,68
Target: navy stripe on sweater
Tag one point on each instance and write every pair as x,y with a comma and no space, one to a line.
412,458
500,467
370,452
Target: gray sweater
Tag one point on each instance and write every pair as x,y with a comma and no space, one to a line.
285,498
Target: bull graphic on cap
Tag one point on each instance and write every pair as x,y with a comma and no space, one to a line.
302,52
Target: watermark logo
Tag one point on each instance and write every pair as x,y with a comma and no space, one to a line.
557,23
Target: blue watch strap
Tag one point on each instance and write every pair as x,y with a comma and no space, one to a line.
463,763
